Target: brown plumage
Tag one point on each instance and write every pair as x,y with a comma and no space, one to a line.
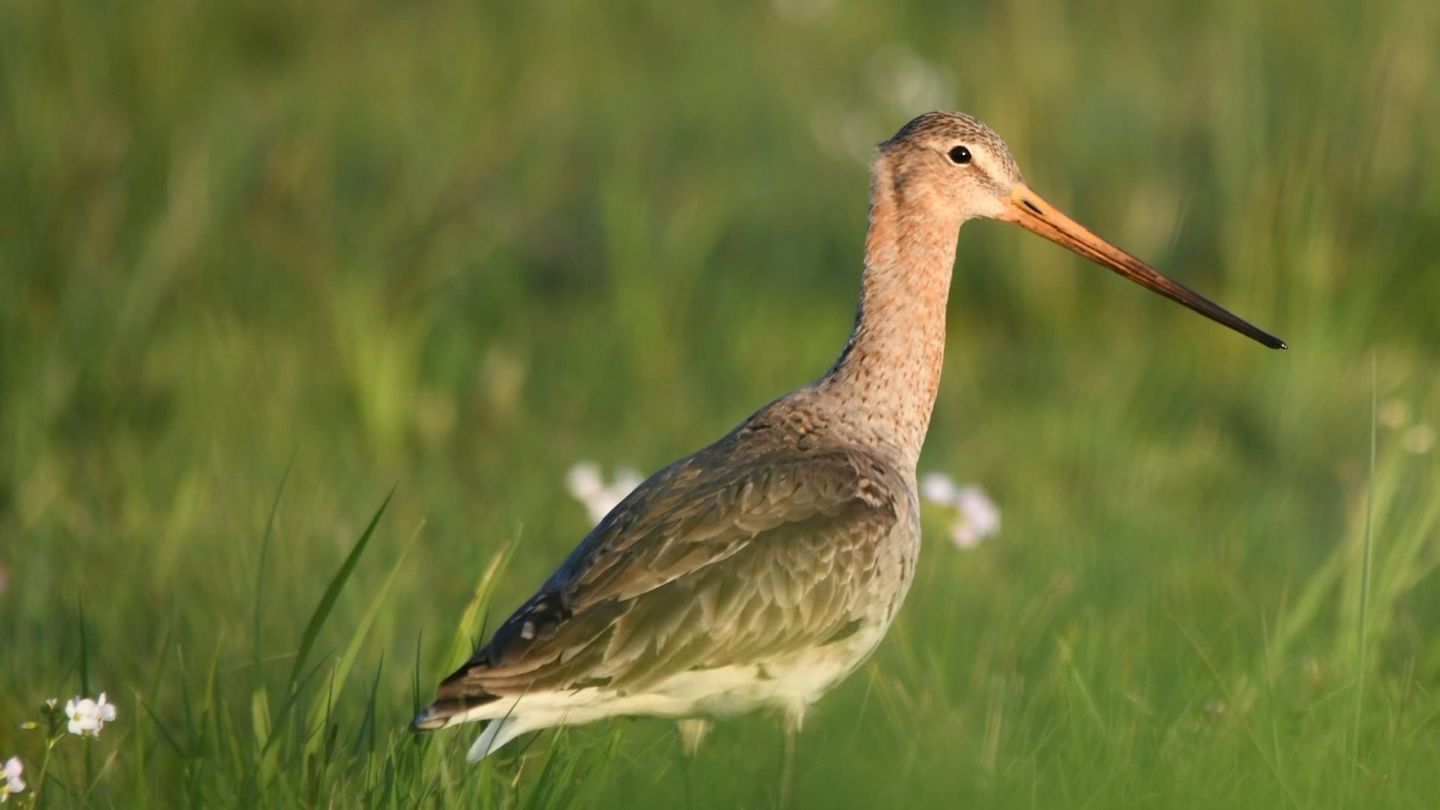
737,557
763,569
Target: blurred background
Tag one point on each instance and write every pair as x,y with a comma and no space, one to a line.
261,262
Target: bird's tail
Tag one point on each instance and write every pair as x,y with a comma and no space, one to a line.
497,733
439,714
462,701
457,701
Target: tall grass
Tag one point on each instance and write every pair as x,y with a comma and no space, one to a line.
259,262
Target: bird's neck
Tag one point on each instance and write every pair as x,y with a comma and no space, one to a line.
884,384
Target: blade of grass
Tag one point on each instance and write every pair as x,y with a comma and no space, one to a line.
365,735
260,568
465,635
362,630
332,592
352,651
463,644
165,733
84,648
284,712
1230,700
317,621
1364,614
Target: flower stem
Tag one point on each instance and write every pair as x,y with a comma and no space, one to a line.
44,766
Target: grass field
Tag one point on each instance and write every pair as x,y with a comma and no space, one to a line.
262,262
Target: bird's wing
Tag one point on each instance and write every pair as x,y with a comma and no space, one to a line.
715,561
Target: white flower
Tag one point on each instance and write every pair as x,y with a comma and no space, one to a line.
586,482
88,716
938,488
13,775
974,515
979,517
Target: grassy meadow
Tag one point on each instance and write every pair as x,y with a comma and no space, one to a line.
263,264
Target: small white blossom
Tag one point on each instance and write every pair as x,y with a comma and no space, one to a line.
979,517
938,488
974,516
88,717
586,482
14,781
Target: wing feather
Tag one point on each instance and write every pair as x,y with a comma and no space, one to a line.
718,560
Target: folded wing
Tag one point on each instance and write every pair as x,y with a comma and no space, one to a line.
698,568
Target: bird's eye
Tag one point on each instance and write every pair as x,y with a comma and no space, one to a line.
960,155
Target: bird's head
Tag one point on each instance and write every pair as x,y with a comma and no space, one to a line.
956,167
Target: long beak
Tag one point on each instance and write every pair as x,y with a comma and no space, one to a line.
1030,211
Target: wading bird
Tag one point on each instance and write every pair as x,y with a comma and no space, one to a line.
762,570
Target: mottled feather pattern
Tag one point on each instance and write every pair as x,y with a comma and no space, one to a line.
802,534
946,128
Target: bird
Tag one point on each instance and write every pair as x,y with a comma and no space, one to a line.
759,572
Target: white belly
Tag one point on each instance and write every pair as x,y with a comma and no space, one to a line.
787,685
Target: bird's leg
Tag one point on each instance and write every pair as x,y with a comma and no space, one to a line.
790,720
692,733
787,774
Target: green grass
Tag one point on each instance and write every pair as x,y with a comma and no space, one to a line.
262,262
